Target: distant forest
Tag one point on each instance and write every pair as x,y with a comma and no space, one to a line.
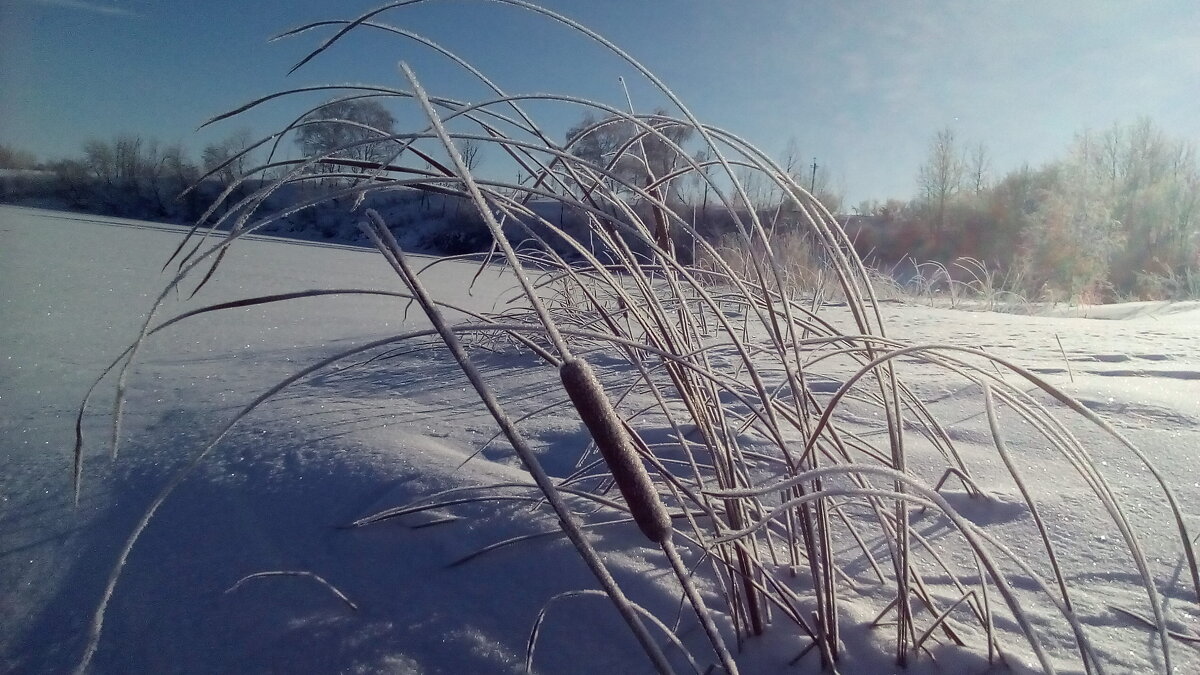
1114,218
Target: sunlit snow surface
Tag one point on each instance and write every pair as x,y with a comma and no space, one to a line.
367,436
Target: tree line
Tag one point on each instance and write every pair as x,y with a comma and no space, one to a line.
1114,218
128,175
133,176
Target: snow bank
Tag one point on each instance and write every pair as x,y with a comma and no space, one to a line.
369,435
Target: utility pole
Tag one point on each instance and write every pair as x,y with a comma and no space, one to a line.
812,183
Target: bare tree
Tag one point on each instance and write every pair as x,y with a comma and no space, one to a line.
151,167
791,157
752,181
116,165
123,174
469,149
941,176
225,154
127,153
978,163
72,177
178,174
98,159
344,130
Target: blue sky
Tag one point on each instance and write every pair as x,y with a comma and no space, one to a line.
860,85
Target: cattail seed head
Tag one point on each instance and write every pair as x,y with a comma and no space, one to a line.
616,447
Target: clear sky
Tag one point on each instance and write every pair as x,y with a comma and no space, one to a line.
860,85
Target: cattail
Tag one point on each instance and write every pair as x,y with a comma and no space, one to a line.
617,449
630,475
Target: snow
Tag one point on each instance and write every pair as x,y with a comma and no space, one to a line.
363,437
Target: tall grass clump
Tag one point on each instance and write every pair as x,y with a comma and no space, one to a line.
968,283
772,492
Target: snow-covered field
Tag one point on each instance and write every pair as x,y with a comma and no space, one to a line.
366,436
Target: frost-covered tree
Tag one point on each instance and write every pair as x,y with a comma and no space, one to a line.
344,130
1151,185
640,163
1072,235
127,176
226,158
636,155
